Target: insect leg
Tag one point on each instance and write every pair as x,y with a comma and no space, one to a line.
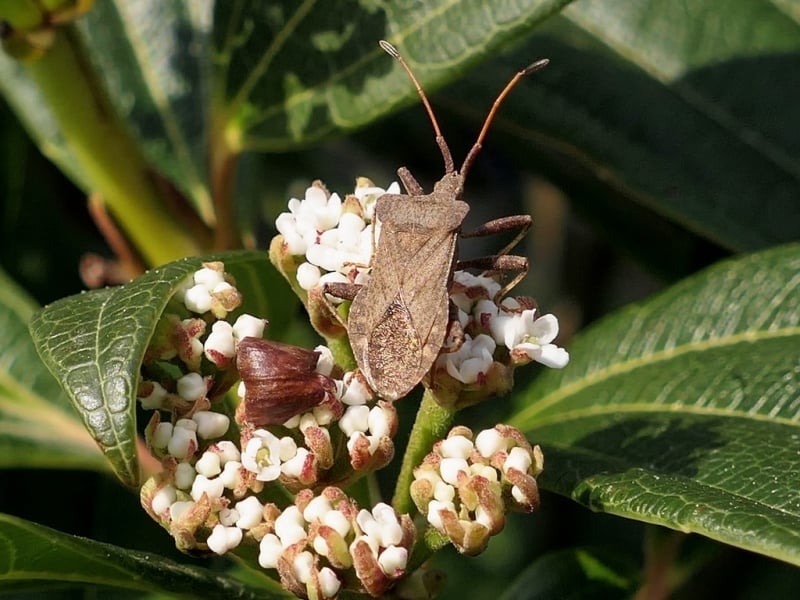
520,223
499,262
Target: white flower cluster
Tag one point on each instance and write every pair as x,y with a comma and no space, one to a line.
465,486
509,323
323,534
334,237
206,291
368,427
207,495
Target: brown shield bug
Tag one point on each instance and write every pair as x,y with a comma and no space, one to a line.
399,320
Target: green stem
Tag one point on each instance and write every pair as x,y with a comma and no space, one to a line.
432,424
107,158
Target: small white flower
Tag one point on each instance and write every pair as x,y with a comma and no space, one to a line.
228,516
443,492
163,499
262,455
208,277
391,533
213,488
211,424
355,419
434,517
519,459
179,508
368,196
294,466
248,326
456,446
350,227
184,475
317,508
393,560
307,420
371,542
337,521
486,471
472,360
325,362
379,424
355,392
533,336
197,299
231,474
325,257
293,423
323,415
191,387
208,464
269,551
155,399
288,448
490,441
308,275
183,442
228,451
224,539
303,566
220,344
250,511
290,526
161,435
329,583
286,224
451,467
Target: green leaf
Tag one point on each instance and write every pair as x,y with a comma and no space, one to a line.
39,558
162,88
716,141
658,105
290,73
580,573
94,343
683,411
38,427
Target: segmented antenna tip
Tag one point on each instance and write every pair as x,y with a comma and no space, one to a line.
539,64
389,49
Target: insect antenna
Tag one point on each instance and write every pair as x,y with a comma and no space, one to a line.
539,64
449,167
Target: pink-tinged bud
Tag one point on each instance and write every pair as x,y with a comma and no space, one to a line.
318,440
368,453
288,573
352,205
468,537
185,337
280,382
185,528
322,319
329,543
483,498
147,494
369,571
224,299
301,471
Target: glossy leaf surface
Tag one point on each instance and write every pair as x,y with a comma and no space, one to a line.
684,411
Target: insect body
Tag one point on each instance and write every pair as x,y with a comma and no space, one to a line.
398,321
